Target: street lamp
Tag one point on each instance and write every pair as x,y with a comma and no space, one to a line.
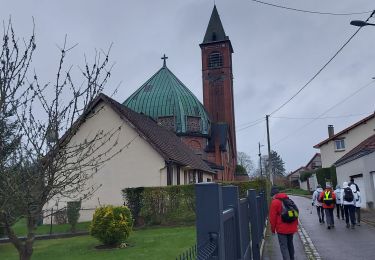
360,23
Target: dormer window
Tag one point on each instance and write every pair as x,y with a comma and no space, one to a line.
340,145
215,60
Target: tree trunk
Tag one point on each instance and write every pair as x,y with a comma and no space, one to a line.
26,253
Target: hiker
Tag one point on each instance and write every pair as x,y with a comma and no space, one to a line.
315,201
358,204
352,183
347,198
328,199
339,206
284,220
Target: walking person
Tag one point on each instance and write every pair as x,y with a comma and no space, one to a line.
347,198
315,201
353,183
328,198
339,206
358,204
284,220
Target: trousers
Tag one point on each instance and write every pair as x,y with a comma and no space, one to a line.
349,214
329,217
286,246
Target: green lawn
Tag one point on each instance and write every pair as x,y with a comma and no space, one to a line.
20,228
296,191
152,243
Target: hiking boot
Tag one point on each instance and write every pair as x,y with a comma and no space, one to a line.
342,218
358,224
347,225
328,227
353,226
323,221
332,226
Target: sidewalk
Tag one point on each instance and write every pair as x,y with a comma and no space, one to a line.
272,249
339,243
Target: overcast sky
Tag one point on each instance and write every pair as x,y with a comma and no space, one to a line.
276,52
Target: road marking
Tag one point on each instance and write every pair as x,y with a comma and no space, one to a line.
310,249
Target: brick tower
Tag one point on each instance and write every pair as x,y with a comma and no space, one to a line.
218,95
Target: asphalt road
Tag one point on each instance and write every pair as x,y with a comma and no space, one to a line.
339,243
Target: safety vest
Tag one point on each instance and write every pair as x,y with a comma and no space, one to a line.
327,199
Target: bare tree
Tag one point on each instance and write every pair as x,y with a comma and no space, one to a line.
48,162
244,160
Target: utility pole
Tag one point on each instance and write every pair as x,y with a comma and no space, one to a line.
260,162
269,151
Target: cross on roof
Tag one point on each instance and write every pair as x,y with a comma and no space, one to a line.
164,58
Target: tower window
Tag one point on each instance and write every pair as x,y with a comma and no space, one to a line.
215,60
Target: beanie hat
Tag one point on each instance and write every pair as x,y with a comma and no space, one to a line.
274,190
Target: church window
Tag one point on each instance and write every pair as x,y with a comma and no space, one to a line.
215,60
193,124
167,122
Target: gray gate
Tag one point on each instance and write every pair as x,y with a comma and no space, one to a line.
228,227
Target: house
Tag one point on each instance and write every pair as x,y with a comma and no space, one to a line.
359,163
337,145
294,176
147,155
312,182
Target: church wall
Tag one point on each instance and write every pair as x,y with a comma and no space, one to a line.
197,144
137,165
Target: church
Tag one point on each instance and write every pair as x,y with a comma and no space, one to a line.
166,136
208,129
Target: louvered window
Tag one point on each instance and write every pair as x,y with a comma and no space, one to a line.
215,60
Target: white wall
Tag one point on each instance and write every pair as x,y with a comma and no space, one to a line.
363,165
137,165
352,138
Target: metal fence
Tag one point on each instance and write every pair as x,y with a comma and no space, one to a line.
228,227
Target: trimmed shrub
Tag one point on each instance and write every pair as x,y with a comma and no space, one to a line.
73,208
324,175
172,205
111,225
305,175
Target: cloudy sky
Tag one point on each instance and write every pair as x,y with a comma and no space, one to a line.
276,52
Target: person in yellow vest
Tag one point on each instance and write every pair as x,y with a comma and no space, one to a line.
328,198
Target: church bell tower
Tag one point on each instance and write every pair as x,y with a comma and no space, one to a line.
217,79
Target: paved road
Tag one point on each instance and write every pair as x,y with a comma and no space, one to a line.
339,243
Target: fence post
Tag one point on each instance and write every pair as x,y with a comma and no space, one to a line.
260,215
209,217
231,200
254,222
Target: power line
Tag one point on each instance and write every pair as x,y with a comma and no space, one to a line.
251,122
309,11
326,117
319,71
246,127
325,112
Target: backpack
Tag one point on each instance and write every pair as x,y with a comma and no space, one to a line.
289,211
327,198
348,194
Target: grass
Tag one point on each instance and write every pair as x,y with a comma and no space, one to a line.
152,243
295,191
20,228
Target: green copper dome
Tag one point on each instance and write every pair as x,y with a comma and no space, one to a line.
167,100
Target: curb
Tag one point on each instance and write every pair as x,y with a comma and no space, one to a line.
310,250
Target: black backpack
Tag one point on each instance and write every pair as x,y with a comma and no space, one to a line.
348,194
289,211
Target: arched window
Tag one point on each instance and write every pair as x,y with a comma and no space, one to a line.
215,60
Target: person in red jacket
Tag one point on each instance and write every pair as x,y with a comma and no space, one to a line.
328,198
285,231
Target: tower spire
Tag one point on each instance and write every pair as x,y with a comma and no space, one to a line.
215,30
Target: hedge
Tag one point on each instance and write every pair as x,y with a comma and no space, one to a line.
171,205
324,175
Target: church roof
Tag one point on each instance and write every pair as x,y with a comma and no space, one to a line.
165,96
215,30
169,146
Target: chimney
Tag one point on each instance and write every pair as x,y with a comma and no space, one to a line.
331,131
